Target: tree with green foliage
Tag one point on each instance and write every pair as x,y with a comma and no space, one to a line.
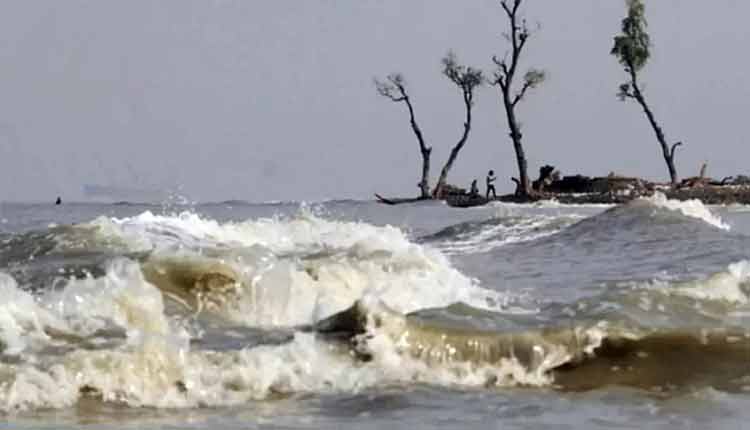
632,49
505,76
467,79
394,89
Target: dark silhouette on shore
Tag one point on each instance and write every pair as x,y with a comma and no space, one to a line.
58,201
474,188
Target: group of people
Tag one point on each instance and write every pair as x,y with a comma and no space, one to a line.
490,186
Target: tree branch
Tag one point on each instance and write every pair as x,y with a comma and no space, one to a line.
674,148
393,89
516,5
504,4
521,93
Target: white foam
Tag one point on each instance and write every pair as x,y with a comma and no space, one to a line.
690,208
154,372
156,367
303,233
308,268
154,375
22,320
64,319
730,286
122,299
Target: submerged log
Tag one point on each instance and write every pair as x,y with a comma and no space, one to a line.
399,200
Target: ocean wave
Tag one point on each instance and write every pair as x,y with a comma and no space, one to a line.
278,271
304,233
583,356
121,299
113,339
484,236
552,204
690,208
731,286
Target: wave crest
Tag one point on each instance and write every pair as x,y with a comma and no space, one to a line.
690,208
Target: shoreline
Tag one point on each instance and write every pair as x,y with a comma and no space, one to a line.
715,195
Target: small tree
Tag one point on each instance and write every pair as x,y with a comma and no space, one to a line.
505,75
632,49
394,88
467,79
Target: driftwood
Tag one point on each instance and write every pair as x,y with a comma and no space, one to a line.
398,200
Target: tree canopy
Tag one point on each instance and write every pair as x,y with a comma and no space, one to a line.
632,46
466,78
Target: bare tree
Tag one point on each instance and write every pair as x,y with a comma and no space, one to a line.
394,88
505,75
632,49
467,79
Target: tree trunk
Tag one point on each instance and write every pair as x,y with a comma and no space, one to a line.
424,184
518,37
516,136
668,155
456,149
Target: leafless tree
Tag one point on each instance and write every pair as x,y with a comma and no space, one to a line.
467,79
394,88
505,75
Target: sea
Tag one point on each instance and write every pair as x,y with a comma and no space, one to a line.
353,314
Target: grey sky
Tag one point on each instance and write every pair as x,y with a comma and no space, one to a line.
264,100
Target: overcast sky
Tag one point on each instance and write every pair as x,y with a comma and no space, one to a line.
273,100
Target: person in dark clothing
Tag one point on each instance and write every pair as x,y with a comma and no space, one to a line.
58,201
474,188
490,180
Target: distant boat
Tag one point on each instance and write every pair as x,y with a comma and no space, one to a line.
466,200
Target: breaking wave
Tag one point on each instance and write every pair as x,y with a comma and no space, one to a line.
689,208
116,338
309,305
286,272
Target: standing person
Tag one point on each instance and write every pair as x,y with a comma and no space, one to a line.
490,179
